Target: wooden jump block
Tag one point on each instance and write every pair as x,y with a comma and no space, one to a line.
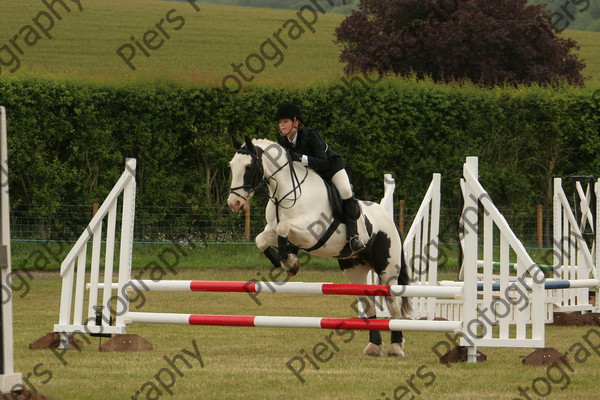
576,319
51,340
459,354
126,342
24,395
545,356
590,318
567,319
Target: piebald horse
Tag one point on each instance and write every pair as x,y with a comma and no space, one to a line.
299,216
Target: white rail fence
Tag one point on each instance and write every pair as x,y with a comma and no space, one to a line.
503,309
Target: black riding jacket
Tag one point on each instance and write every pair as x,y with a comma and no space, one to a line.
321,157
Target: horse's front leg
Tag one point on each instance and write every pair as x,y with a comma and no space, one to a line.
294,230
285,257
264,241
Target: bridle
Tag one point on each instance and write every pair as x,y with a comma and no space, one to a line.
257,176
257,180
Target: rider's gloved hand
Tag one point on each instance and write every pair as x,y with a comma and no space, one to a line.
295,156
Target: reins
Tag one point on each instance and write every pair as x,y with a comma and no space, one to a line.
294,180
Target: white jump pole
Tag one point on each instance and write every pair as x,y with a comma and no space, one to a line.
8,378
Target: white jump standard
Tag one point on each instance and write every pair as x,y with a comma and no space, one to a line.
9,379
476,303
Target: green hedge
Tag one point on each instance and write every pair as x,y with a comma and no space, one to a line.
68,139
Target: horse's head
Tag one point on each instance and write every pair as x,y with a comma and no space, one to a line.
246,173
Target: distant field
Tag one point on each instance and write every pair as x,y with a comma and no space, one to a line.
589,52
201,50
191,46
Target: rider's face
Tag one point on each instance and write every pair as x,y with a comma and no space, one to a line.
286,126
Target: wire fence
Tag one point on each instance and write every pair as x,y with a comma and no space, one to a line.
219,225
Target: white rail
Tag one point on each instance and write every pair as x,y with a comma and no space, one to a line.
74,266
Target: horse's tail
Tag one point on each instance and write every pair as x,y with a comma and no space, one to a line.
404,279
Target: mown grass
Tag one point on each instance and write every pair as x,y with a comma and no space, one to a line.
47,256
589,52
252,362
84,44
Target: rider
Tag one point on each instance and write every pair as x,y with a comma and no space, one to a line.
307,147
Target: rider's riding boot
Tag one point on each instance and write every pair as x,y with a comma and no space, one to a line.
351,214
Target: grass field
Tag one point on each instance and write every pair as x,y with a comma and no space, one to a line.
240,363
193,46
258,363
47,256
201,51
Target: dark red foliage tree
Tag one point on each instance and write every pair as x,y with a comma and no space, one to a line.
488,42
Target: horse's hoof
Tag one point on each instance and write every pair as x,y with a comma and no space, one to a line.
396,350
373,350
294,270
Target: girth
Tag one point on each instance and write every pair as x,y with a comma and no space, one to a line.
325,236
336,209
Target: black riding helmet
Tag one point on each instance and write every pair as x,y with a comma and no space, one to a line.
290,111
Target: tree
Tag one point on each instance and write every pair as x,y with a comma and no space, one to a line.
488,42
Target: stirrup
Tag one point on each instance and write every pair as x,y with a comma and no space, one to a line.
356,244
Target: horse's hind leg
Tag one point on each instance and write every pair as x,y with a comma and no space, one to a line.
385,250
396,348
390,277
356,271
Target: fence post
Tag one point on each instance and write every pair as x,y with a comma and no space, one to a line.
540,225
247,224
402,202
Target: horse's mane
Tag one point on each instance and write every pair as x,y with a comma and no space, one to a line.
264,143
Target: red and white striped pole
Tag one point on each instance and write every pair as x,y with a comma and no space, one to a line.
296,288
295,322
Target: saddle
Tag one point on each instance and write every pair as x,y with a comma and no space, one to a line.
334,200
337,214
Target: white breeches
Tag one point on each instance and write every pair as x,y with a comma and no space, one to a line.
342,184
